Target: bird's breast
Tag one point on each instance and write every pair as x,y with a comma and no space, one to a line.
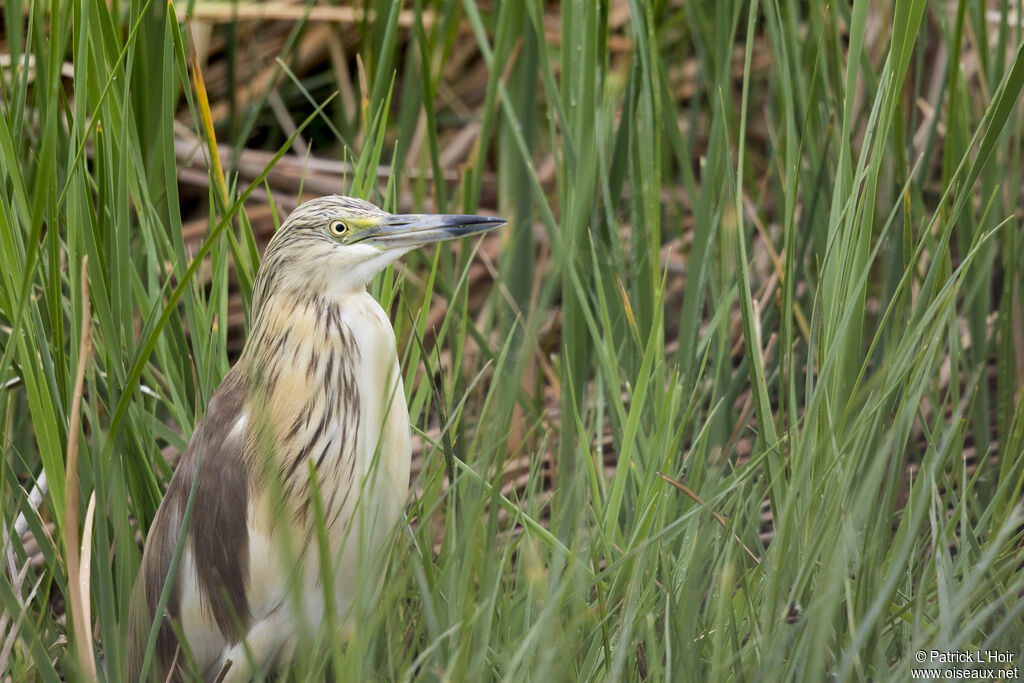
335,399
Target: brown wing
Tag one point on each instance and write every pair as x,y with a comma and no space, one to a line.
218,536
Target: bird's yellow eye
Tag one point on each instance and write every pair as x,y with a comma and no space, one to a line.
338,228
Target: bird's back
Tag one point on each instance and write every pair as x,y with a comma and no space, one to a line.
215,556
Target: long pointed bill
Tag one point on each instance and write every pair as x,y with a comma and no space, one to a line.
414,230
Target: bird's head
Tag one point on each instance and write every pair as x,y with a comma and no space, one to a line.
337,244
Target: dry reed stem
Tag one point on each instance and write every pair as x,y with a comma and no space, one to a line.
719,518
77,600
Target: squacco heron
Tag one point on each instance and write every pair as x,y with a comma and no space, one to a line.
317,393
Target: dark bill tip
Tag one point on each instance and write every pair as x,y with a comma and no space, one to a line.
460,226
410,231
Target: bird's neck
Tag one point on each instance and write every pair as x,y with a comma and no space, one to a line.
300,362
289,323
